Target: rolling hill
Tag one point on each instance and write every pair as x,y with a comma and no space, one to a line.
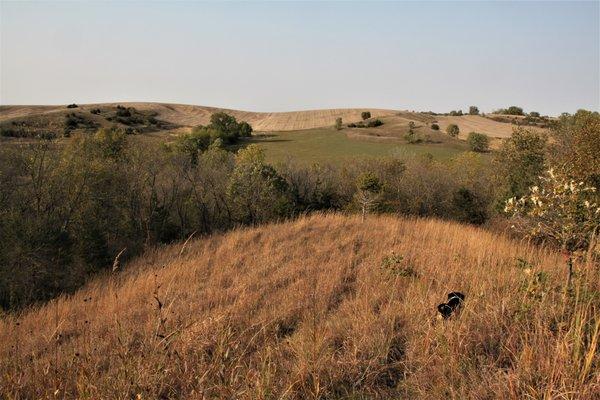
191,115
321,307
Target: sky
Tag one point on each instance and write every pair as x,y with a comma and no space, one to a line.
284,56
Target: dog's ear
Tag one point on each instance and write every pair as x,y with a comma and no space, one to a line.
456,294
454,302
445,310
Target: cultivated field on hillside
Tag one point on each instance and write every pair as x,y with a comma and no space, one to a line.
191,115
477,123
322,307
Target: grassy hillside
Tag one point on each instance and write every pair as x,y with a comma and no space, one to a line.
328,145
322,307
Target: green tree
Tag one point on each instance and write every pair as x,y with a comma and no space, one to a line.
365,115
513,110
256,191
245,129
368,193
478,142
473,110
520,162
225,123
452,130
575,146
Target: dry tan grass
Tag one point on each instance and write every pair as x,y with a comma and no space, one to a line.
305,310
190,115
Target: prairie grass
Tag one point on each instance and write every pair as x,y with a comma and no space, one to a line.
319,308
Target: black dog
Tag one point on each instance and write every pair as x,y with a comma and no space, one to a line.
455,300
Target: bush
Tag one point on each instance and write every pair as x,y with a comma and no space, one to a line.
473,110
352,125
456,113
478,142
95,111
338,123
374,123
534,114
365,115
469,207
72,105
435,127
124,112
452,130
413,138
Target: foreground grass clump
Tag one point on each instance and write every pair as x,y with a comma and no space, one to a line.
318,308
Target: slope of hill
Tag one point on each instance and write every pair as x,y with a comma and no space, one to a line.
477,123
191,115
322,307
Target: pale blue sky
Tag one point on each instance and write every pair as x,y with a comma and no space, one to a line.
544,56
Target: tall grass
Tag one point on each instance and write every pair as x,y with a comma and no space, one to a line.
312,309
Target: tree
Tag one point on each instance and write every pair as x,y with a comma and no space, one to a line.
197,141
365,115
435,127
452,130
225,123
256,192
561,211
473,110
513,110
338,123
478,142
245,129
575,146
520,161
369,191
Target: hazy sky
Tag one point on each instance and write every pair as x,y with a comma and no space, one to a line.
544,56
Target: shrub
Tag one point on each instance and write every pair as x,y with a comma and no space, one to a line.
338,123
413,138
456,113
72,105
452,130
123,111
365,115
469,207
374,123
534,114
473,110
478,142
95,111
435,127
352,125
